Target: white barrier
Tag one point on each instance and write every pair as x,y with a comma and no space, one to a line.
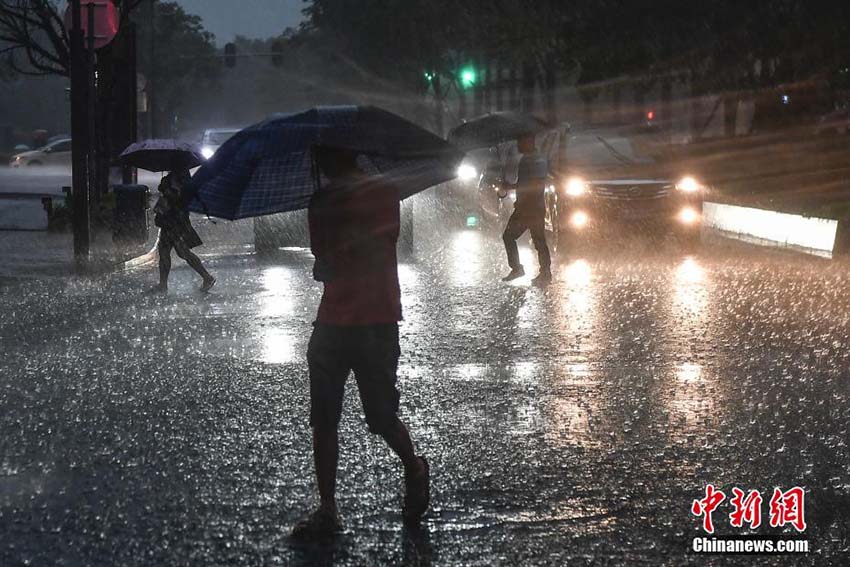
782,229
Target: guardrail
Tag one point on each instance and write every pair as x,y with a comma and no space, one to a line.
810,234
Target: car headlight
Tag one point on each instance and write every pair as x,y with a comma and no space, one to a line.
688,185
467,172
576,187
579,219
688,216
207,152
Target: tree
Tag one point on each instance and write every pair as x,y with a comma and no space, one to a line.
180,62
416,48
34,41
33,31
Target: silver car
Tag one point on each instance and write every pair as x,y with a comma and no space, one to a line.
56,154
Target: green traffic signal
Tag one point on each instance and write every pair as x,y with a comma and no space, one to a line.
467,77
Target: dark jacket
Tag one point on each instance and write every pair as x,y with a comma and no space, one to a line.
171,214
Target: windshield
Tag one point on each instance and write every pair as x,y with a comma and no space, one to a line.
219,137
57,146
604,151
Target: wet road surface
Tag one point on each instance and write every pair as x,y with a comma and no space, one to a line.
571,425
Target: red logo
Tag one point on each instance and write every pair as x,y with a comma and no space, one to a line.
788,508
785,508
707,505
747,509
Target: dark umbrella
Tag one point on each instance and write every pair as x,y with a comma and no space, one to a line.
268,168
162,155
495,128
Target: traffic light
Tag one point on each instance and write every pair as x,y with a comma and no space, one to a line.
230,55
468,77
277,53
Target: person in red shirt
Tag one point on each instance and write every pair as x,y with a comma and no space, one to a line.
354,226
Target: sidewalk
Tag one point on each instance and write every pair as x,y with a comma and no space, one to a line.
36,254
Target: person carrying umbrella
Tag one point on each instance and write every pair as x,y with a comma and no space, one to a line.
171,214
176,231
529,212
349,166
354,225
491,130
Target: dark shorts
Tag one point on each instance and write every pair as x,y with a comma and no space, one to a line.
372,352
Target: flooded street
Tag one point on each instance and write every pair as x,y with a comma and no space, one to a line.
568,425
607,324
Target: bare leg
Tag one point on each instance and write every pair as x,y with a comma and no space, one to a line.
416,474
398,438
194,262
325,457
164,263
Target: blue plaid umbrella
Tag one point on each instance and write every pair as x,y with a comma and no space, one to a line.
268,168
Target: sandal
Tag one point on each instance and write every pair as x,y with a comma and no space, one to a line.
319,524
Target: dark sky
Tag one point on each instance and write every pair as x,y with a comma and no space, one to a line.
249,18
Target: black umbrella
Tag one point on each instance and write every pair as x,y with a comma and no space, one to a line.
162,155
495,128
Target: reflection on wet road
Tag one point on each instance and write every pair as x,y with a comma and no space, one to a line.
562,424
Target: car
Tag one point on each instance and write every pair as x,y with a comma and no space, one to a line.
290,230
484,182
56,153
609,184
213,139
495,197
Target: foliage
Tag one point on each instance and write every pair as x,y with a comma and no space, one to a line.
182,65
715,42
34,38
183,58
393,40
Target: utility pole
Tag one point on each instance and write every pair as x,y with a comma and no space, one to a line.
91,125
79,134
129,175
151,119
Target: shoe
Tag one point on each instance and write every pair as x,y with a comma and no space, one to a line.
515,273
417,495
543,278
208,283
157,289
320,524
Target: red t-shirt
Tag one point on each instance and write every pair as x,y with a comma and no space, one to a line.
353,234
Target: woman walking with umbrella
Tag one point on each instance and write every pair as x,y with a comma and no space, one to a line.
170,212
176,231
